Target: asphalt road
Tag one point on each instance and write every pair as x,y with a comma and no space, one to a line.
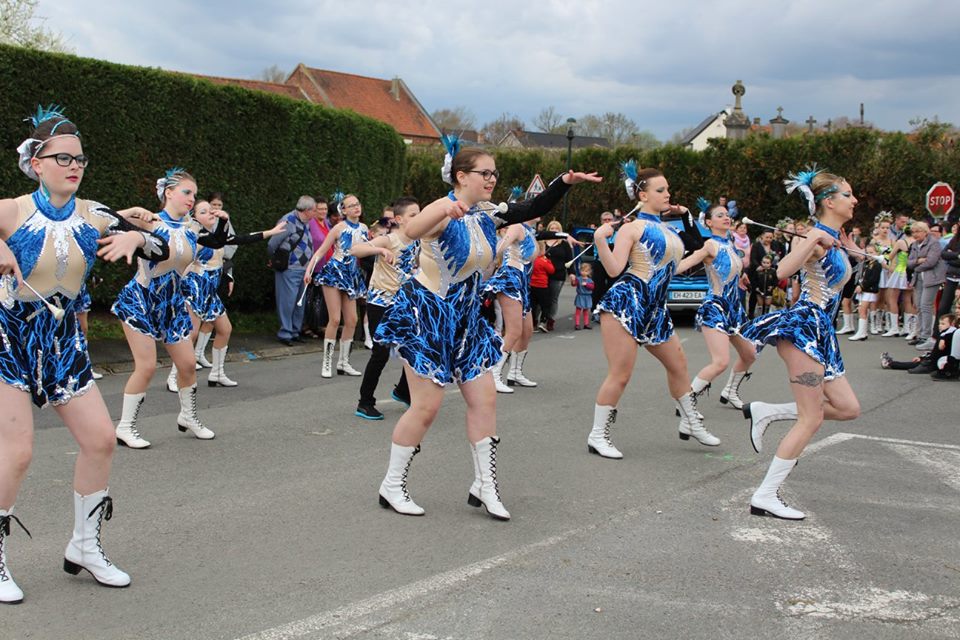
272,530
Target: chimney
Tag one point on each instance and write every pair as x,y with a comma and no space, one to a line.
395,88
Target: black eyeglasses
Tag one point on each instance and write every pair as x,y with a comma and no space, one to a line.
64,159
486,174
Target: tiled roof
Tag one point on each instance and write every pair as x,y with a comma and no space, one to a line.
389,101
697,130
288,90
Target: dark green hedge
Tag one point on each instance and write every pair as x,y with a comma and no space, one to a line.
887,171
261,150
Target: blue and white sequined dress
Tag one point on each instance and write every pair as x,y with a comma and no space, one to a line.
152,303
387,278
84,302
722,308
638,299
808,324
55,249
434,321
199,285
512,279
342,271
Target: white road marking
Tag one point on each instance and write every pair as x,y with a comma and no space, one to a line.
872,604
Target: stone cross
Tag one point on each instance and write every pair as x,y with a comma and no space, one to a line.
810,122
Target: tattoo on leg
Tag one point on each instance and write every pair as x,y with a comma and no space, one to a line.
808,379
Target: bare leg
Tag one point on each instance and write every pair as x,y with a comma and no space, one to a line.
718,344
746,353
674,361
621,351
183,357
512,322
144,350
806,383
89,422
425,399
481,398
526,332
16,442
332,297
348,309
223,327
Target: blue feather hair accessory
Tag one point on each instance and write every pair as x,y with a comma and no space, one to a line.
30,147
515,194
629,170
452,144
170,178
802,181
703,205
337,199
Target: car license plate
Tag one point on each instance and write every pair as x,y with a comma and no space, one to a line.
686,295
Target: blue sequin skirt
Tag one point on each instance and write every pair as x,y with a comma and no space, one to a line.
511,282
43,357
83,302
640,308
808,327
345,276
443,339
722,314
200,291
158,311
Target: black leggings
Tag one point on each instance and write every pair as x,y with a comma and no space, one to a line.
378,360
539,303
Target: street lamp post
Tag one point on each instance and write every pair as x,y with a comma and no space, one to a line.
570,137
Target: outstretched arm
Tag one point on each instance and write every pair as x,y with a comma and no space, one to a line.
543,202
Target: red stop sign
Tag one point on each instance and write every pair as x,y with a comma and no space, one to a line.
940,199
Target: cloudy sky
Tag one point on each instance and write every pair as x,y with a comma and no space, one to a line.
666,65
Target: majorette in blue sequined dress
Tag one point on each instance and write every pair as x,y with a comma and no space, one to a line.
342,271
202,279
722,308
55,249
512,279
808,324
638,299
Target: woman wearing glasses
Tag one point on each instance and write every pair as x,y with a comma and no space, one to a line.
342,282
49,240
152,308
436,326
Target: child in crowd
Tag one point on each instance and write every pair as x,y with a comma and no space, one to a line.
943,362
766,281
584,299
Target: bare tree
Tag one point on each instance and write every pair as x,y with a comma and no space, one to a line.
273,73
549,121
495,130
19,26
644,141
454,120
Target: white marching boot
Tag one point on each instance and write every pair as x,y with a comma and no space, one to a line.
10,593
874,323
761,414
188,418
217,377
85,551
498,374
485,453
847,324
861,333
393,489
326,370
731,393
910,326
893,325
691,422
515,376
127,433
172,379
598,441
202,340
343,364
766,500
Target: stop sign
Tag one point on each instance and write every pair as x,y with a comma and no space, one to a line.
940,199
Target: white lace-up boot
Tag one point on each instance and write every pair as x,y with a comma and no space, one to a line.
766,500
127,432
10,593
761,414
188,418
172,379
731,393
498,374
910,326
861,333
85,550
847,324
874,323
217,377
200,349
326,370
485,452
393,489
343,364
893,328
515,376
691,422
598,441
